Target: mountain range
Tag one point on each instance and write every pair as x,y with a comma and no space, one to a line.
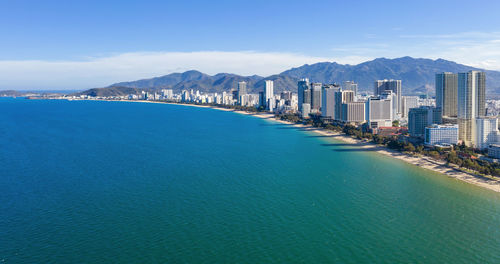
417,77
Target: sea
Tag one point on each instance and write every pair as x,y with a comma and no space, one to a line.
130,182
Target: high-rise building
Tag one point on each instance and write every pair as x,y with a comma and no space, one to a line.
269,92
470,104
441,134
388,94
167,93
315,97
353,112
262,99
307,97
379,112
328,102
446,93
342,97
303,85
486,132
306,109
390,85
420,118
351,86
242,90
408,103
286,95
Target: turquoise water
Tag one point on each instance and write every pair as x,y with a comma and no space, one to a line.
115,182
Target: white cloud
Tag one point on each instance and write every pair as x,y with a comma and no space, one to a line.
478,49
102,71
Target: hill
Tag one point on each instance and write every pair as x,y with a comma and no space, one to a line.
111,91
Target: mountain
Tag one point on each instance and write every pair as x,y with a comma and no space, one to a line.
166,81
192,80
417,76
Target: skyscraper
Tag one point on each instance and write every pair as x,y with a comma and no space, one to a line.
470,104
303,85
390,85
328,102
307,97
286,95
269,93
342,97
242,90
351,86
315,97
446,93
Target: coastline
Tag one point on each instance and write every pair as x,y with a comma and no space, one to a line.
419,161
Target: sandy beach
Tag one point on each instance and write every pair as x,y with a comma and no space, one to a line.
420,160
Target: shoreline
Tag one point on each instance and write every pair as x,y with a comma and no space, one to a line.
419,161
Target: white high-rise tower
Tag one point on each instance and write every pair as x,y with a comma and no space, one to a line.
470,104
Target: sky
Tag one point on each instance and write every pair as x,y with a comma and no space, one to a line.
55,45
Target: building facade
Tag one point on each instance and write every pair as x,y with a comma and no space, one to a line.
390,85
342,97
315,97
353,112
494,151
470,104
242,90
486,132
351,86
446,93
441,134
328,102
378,112
421,117
269,94
302,86
408,103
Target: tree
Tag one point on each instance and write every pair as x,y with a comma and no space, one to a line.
395,123
420,148
409,148
434,154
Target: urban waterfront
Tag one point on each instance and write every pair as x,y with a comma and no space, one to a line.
100,182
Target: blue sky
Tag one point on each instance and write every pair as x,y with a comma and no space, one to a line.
81,44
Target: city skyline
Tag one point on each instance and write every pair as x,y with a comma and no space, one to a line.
58,47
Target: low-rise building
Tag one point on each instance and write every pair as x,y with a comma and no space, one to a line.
353,112
486,132
441,134
389,131
494,151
